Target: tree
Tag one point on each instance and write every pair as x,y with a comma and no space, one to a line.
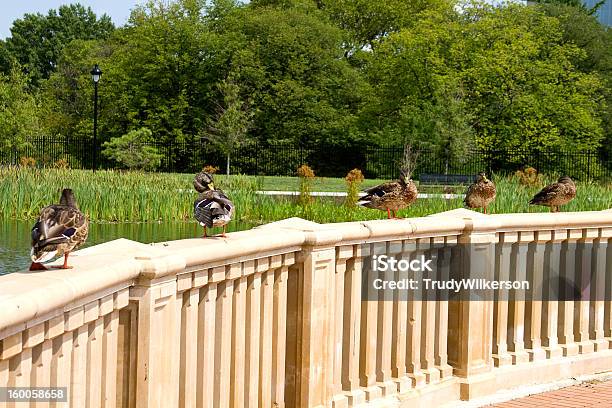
577,4
228,127
517,79
19,112
37,41
132,152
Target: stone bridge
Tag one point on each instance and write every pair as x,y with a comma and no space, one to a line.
278,316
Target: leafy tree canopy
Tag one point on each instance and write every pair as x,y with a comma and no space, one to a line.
37,40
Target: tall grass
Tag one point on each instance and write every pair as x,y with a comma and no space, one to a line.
114,196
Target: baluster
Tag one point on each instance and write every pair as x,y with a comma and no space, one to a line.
223,342
265,345
516,306
567,269
352,326
109,362
535,276
550,311
189,350
61,362
206,345
343,253
584,268
253,316
428,318
79,366
94,363
369,330
385,324
598,292
607,233
501,357
279,330
399,341
41,373
441,335
413,331
238,343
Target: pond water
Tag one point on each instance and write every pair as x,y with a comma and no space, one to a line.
15,237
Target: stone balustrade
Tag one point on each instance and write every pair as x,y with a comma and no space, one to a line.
276,317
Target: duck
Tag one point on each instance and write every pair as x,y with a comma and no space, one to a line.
556,194
212,208
481,193
59,230
392,195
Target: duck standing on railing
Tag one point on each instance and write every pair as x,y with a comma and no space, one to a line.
391,196
556,194
481,193
59,230
212,208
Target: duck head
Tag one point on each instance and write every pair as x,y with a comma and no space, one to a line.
68,199
482,177
203,182
565,180
405,176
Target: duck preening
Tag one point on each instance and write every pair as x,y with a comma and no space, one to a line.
60,229
481,193
392,195
556,194
212,208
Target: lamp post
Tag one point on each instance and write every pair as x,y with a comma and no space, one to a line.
96,73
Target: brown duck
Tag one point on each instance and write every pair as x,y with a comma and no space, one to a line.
391,196
481,193
60,229
556,194
212,208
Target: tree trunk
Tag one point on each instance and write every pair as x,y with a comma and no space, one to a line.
227,169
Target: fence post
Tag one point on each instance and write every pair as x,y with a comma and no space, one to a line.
470,327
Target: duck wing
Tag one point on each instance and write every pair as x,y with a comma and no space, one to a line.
380,190
58,224
210,205
548,193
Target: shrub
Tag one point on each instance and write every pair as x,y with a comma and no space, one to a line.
27,161
353,179
306,176
528,176
210,169
132,152
61,164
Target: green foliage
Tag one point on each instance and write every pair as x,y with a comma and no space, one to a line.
502,72
37,40
435,73
228,128
140,197
131,151
19,112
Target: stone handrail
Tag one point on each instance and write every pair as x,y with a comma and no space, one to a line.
274,316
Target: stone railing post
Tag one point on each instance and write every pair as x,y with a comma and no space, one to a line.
315,348
159,320
471,316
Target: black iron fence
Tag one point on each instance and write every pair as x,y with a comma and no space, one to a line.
282,159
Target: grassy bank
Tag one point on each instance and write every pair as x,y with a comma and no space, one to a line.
111,196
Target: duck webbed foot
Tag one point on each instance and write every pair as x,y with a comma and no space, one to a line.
37,266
